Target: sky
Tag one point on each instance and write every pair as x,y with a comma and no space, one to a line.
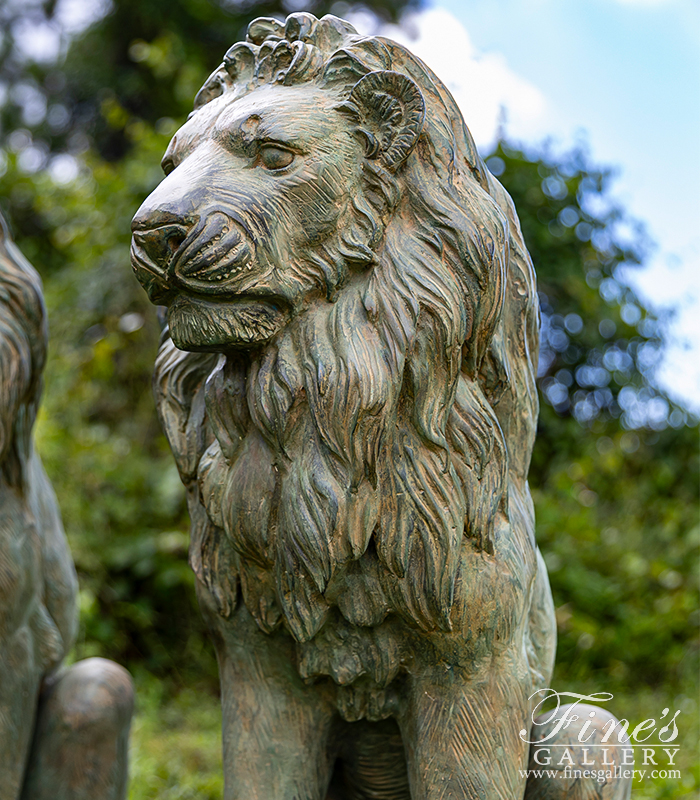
621,75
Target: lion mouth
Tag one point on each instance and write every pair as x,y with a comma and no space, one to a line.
202,324
217,249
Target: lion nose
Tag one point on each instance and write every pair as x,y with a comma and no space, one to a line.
160,235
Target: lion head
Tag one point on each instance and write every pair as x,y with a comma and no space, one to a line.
356,304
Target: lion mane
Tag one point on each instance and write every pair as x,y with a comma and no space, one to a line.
23,333
376,435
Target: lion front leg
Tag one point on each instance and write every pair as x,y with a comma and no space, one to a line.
462,737
276,730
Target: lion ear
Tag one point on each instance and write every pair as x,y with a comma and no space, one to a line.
391,110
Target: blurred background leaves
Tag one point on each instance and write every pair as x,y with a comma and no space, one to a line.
91,92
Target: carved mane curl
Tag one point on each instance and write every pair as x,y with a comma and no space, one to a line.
376,434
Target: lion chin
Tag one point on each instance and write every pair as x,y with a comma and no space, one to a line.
198,324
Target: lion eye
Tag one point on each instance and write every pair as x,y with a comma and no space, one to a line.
167,165
276,157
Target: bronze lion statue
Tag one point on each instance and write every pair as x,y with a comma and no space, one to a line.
63,731
347,381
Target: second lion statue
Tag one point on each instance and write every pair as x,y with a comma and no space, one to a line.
347,382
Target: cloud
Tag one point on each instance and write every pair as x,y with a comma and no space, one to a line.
482,83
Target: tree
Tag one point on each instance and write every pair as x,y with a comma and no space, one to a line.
614,470
140,60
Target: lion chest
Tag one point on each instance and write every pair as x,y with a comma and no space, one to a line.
364,666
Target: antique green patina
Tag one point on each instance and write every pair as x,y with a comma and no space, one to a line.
347,384
63,732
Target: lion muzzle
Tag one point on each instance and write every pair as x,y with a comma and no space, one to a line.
203,256
197,267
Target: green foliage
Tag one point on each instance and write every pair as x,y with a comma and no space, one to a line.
175,746
120,494
614,474
142,59
599,345
615,469
620,535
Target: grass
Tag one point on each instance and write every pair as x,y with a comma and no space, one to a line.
175,744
